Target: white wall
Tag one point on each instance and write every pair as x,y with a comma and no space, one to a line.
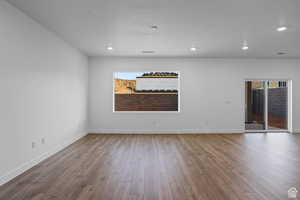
43,92
212,94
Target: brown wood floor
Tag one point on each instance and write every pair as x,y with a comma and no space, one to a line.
165,167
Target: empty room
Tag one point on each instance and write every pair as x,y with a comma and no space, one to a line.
149,99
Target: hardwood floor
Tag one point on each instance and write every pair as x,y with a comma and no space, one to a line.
165,167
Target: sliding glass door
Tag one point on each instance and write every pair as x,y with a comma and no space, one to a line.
266,105
277,105
255,105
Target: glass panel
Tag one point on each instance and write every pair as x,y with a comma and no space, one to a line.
277,105
255,105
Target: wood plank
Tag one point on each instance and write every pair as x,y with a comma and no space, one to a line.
165,167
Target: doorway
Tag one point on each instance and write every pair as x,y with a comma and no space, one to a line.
267,105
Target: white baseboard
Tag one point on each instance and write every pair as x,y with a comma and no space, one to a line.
296,131
26,166
182,131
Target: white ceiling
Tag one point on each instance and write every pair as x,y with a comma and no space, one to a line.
216,27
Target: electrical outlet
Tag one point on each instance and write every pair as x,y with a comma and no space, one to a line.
43,140
33,145
156,124
227,102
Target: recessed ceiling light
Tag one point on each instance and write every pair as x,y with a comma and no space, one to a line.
193,49
282,28
109,48
245,47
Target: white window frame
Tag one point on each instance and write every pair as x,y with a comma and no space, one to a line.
147,112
